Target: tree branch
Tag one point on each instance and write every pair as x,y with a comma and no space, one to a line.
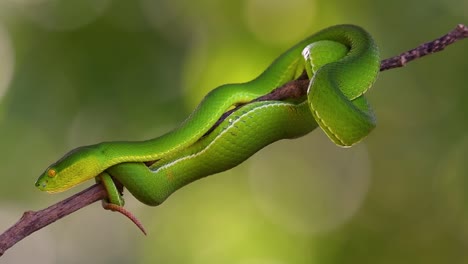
32,221
459,33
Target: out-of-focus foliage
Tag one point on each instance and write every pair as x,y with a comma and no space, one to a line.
81,72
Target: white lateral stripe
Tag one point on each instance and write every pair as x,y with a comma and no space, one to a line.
231,124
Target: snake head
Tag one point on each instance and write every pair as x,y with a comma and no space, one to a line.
75,167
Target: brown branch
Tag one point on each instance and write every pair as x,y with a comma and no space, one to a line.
459,33
32,221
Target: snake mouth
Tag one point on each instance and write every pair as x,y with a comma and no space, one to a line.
45,187
51,185
41,184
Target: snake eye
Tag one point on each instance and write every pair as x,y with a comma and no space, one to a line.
51,173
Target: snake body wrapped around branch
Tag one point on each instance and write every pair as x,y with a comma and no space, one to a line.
341,62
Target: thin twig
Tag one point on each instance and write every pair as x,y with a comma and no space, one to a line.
459,33
32,221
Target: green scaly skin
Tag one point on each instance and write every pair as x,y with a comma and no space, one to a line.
227,146
342,62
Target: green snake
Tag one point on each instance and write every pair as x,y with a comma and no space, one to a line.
341,62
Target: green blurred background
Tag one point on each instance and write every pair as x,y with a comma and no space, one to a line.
81,72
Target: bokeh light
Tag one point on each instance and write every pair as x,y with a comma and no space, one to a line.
208,67
225,226
7,58
81,72
62,15
261,261
86,127
279,22
165,16
309,185
451,181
